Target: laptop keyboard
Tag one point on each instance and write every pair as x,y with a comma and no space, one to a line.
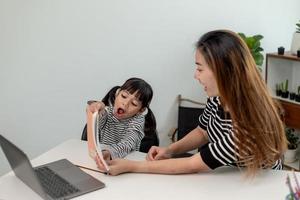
53,184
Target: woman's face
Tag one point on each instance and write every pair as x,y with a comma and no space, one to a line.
205,75
126,105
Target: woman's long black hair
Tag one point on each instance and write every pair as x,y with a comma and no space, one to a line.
144,94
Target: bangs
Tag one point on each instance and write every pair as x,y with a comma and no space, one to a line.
132,90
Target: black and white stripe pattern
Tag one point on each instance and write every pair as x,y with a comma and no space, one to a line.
120,137
220,150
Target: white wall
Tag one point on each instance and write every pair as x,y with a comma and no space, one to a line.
57,54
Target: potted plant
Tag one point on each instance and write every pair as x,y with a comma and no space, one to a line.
278,89
280,50
296,39
292,95
253,43
293,140
285,91
297,97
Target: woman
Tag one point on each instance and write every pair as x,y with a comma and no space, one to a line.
240,125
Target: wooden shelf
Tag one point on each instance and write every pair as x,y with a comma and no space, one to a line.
291,114
278,69
286,100
287,55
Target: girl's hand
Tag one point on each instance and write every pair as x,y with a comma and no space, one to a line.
94,106
99,163
106,155
158,153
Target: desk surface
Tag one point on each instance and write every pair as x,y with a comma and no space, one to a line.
224,183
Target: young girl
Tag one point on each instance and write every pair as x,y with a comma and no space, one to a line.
240,125
123,112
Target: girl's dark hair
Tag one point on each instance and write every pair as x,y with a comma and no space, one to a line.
144,94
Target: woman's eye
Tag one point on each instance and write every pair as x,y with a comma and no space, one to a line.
124,96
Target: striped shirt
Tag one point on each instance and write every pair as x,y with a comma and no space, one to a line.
120,137
220,150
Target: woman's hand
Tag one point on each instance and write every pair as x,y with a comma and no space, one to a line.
158,153
116,166
94,106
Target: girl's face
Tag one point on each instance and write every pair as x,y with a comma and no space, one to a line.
205,76
126,105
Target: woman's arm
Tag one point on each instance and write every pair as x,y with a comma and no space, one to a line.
192,164
195,139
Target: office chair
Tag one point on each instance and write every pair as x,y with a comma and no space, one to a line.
188,119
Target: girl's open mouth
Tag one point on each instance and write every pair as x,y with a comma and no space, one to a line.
120,111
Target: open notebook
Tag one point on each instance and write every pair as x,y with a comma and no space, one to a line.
94,146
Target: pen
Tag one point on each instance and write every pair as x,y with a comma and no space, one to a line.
288,182
297,185
94,170
296,180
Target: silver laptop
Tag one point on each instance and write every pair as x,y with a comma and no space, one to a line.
56,180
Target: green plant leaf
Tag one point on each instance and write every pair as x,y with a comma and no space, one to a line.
292,138
258,37
259,59
250,42
254,45
259,49
242,35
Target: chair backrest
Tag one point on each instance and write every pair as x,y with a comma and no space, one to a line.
84,133
188,117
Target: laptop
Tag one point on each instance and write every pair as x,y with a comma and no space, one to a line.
56,180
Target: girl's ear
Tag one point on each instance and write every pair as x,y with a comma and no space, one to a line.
143,111
117,92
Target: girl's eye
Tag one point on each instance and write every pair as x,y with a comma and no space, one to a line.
124,96
134,104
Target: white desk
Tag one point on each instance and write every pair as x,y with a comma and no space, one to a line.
224,183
